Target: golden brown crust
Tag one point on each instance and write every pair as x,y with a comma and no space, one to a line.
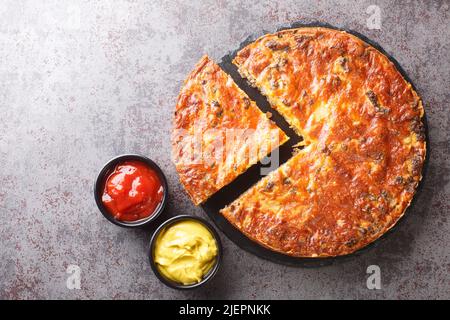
233,133
362,124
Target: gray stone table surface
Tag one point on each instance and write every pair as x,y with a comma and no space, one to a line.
83,81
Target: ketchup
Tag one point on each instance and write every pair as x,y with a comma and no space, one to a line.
132,192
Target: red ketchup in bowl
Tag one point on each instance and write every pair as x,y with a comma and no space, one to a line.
133,191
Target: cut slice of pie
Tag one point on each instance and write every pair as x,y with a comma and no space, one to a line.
218,132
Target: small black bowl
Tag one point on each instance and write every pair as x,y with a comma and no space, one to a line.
208,276
100,186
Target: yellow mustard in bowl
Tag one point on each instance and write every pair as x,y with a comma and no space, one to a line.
185,252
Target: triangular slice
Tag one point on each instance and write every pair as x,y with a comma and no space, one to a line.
218,132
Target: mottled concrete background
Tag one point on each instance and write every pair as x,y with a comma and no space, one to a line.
83,81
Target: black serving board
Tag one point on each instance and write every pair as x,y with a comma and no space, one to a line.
232,191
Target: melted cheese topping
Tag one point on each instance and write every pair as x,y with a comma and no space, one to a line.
218,132
365,144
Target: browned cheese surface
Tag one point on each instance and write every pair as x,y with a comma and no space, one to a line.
364,144
218,131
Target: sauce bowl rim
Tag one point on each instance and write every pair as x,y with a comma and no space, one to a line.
100,184
209,275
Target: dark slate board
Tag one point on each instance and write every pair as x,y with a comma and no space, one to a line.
231,192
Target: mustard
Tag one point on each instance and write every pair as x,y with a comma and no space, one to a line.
185,252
